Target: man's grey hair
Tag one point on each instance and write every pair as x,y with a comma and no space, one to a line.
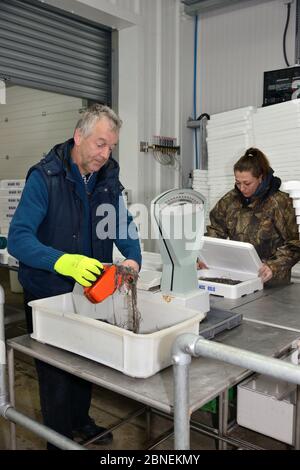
95,113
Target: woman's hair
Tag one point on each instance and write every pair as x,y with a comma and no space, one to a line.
255,161
95,113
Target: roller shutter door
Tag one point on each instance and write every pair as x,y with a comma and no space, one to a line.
44,48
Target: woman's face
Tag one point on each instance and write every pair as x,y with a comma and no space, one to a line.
246,182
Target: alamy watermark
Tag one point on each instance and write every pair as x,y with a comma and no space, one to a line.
180,222
2,92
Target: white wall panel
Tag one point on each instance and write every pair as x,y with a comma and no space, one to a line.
170,28
124,7
152,62
31,123
149,39
186,93
132,6
236,46
117,14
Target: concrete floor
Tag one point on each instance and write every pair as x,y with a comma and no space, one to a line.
107,407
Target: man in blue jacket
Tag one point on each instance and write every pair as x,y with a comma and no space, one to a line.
58,235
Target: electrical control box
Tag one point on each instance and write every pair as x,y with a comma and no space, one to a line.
281,85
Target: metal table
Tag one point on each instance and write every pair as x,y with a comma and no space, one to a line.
208,378
278,308
230,304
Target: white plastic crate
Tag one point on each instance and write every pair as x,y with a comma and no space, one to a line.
149,279
266,405
229,259
4,228
6,218
11,192
151,271
151,261
13,261
8,211
56,322
8,184
4,256
10,200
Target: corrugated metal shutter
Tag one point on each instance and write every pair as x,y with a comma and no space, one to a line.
46,49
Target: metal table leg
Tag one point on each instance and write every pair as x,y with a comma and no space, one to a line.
11,387
223,418
297,419
148,423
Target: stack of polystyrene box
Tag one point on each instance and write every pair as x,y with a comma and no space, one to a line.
200,184
10,195
229,134
276,133
293,188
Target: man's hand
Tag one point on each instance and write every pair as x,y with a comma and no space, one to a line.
265,273
83,269
130,263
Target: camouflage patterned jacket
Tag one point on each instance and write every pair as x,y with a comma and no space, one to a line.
269,224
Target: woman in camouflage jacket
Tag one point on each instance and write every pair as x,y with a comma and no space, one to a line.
255,211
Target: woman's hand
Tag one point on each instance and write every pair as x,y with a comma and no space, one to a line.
265,273
201,265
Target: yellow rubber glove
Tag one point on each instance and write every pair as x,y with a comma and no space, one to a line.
81,268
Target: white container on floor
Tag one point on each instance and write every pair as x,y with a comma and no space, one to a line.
266,405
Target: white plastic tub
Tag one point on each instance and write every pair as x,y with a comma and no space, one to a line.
266,405
56,322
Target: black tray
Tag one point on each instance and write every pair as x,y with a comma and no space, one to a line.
218,320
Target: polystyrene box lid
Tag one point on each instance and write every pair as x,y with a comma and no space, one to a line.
290,186
230,255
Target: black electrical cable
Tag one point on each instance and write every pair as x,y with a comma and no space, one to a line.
203,115
285,31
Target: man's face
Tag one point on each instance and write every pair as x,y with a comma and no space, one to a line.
92,152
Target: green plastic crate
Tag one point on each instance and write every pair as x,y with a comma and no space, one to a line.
212,406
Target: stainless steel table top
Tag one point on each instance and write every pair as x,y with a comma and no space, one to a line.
280,308
208,378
